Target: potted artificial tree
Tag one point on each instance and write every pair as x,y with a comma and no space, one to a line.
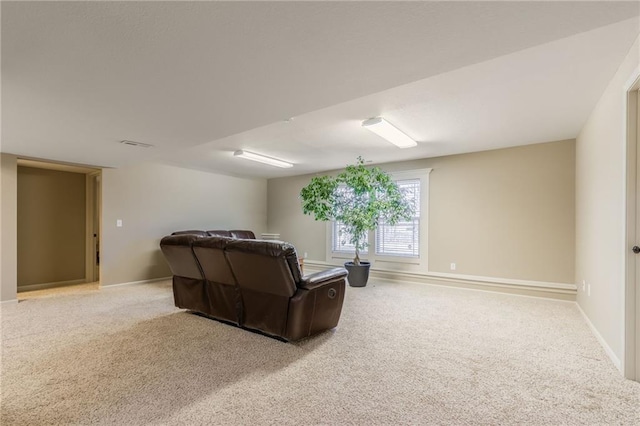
358,198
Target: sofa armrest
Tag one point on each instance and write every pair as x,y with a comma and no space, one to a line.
312,281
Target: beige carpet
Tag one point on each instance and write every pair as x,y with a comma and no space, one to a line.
402,354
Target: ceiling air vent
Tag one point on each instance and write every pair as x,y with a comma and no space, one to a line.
138,144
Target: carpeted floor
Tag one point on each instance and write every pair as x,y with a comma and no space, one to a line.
402,354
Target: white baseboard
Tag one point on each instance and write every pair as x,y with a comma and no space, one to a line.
152,280
9,302
44,286
603,343
509,281
560,291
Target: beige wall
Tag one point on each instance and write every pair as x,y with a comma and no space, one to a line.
51,226
284,213
8,227
600,208
154,200
505,213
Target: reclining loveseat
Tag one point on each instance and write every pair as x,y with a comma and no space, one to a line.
253,284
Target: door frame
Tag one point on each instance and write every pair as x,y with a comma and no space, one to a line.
631,357
93,202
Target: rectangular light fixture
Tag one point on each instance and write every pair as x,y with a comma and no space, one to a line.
138,144
247,155
388,131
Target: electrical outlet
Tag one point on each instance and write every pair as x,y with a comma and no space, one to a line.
584,285
119,223
588,289
453,266
305,254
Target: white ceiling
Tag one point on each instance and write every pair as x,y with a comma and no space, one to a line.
201,79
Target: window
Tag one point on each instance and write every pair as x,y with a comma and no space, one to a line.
341,239
403,238
403,243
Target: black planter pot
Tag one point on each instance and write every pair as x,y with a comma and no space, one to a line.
358,274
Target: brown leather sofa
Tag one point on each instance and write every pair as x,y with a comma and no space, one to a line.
253,284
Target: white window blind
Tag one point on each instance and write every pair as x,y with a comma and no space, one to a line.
403,238
341,238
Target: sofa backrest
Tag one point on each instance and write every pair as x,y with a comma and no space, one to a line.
265,282
191,232
219,233
179,254
210,254
263,266
243,234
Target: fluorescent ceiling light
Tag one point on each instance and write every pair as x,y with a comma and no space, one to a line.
261,159
138,144
388,131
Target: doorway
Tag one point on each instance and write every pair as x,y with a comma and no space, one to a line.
58,225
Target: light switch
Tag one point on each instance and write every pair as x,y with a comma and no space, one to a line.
119,223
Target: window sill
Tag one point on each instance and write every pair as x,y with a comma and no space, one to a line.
377,258
398,259
344,255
